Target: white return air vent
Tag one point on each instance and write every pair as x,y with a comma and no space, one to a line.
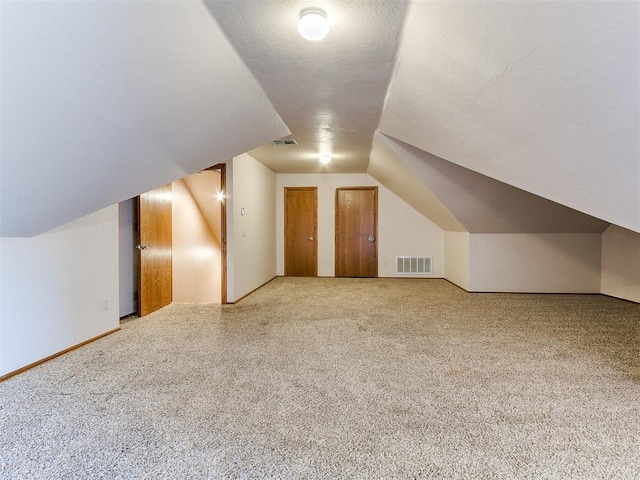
412,265
286,142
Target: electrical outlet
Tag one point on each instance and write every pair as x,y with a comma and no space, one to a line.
105,304
263,268
386,264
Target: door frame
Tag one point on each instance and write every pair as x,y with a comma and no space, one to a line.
222,168
315,224
375,227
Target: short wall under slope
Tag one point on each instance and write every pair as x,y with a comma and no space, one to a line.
621,263
539,263
456,258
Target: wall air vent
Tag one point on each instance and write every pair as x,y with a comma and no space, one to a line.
286,142
413,265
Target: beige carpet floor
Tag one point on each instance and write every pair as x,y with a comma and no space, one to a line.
341,378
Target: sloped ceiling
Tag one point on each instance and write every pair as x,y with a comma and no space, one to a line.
204,187
540,95
331,92
484,205
388,169
104,100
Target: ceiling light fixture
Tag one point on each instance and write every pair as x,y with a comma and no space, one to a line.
313,23
325,159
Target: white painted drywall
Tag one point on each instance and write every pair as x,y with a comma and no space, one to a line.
196,251
252,208
204,187
402,230
550,263
456,258
621,263
102,101
53,287
540,95
129,264
484,205
387,168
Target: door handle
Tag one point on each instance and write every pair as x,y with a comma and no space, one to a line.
141,246
309,238
371,238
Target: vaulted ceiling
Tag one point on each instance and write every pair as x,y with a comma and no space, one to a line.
544,96
104,100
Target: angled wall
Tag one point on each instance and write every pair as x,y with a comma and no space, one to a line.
196,252
517,241
388,169
539,95
204,187
484,205
104,100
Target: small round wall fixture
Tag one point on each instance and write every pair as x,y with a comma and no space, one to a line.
324,159
313,23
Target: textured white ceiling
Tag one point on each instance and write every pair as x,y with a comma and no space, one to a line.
330,93
104,100
541,95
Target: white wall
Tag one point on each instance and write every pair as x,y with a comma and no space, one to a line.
129,262
52,288
401,229
563,263
251,255
456,258
621,263
196,251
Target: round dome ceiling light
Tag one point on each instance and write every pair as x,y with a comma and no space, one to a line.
324,159
313,23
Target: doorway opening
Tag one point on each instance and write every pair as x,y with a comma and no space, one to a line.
199,237
195,216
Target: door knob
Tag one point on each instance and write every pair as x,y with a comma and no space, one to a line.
309,238
371,238
141,247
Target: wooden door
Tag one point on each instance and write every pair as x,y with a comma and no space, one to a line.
301,231
155,250
356,232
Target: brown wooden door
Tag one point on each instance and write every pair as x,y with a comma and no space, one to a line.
301,231
155,250
356,232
